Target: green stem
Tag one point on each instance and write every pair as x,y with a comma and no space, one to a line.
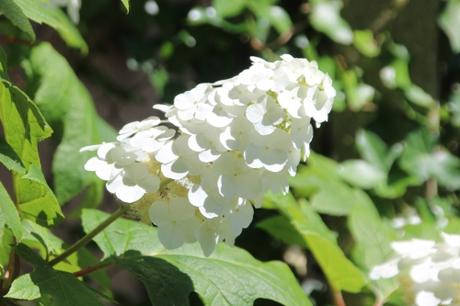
88,237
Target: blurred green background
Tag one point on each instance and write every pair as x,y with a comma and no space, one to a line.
392,143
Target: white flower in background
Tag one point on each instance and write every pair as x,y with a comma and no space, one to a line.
429,270
73,8
151,7
235,140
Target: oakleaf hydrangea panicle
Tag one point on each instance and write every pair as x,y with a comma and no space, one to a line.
224,146
429,271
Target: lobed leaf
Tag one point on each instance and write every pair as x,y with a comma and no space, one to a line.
24,127
230,276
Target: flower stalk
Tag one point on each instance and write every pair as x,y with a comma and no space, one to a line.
88,237
91,269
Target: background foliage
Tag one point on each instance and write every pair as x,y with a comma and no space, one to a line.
384,167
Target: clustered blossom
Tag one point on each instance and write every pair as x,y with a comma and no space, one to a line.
230,143
428,271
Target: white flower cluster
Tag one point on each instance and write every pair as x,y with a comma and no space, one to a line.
429,271
73,8
235,140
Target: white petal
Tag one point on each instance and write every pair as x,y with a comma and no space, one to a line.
197,196
102,169
90,148
175,170
425,298
163,107
166,154
194,144
255,112
170,236
208,156
207,237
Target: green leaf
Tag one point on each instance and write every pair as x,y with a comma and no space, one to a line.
280,19
65,102
7,242
372,241
121,236
100,277
24,288
9,158
41,238
35,197
325,17
61,288
365,43
9,214
358,93
24,126
321,181
362,174
334,199
319,173
302,217
372,148
14,13
422,160
371,235
418,96
230,276
225,8
450,23
126,5
43,12
281,228
341,273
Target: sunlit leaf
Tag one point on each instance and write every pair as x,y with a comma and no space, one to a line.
341,273
325,17
450,23
421,159
280,19
126,4
226,8
365,43
14,13
281,228
230,276
361,173
9,158
24,127
43,12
